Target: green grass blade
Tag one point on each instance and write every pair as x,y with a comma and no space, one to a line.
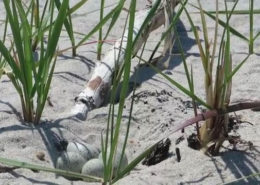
180,87
147,19
41,99
99,47
232,30
37,33
97,27
111,116
224,31
53,41
236,69
2,60
42,29
222,23
133,163
28,62
257,35
251,26
32,12
238,12
183,59
23,16
192,80
197,38
125,83
18,89
15,83
227,47
173,22
9,59
14,24
44,12
39,77
19,164
28,57
71,35
69,28
76,6
205,35
215,37
51,20
36,12
226,64
45,56
130,117
44,77
23,36
115,17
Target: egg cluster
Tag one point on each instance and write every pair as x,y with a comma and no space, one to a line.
87,159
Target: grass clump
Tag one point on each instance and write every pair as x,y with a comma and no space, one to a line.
218,88
30,76
251,12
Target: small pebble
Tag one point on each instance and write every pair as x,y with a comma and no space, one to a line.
40,156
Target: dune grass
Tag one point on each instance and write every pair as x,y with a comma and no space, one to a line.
31,77
251,11
2,61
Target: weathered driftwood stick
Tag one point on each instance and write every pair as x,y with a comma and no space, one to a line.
168,7
97,87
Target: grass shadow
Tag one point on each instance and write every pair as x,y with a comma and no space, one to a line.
12,111
51,133
32,180
241,164
144,72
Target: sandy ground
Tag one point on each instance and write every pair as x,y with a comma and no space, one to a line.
157,110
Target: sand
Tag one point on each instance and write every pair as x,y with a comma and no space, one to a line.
158,109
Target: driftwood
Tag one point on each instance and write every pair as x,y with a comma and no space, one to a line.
97,87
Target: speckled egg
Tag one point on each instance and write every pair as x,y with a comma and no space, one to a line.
70,161
85,150
94,167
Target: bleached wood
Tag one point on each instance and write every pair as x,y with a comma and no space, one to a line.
97,87
168,7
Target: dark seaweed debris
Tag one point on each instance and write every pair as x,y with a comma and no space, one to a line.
193,142
160,153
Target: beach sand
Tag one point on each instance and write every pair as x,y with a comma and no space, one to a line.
158,109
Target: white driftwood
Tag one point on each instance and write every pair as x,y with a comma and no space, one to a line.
97,87
169,40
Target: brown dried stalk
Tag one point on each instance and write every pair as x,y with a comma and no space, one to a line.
213,113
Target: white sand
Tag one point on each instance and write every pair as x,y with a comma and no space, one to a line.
155,115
